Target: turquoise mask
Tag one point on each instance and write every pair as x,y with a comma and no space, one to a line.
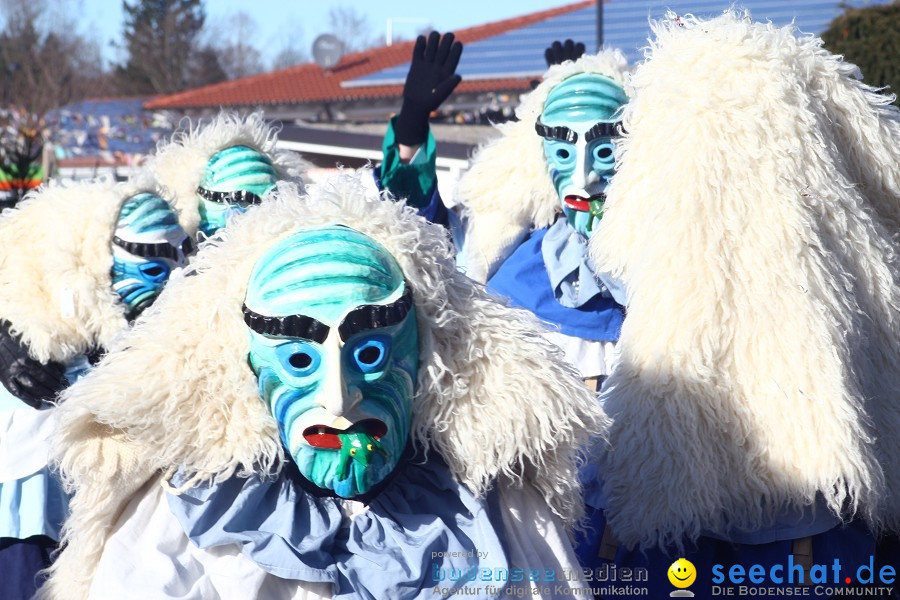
148,244
578,125
334,346
235,178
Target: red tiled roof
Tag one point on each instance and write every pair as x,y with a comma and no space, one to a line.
311,83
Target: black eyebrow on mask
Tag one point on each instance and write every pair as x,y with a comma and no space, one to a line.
559,132
234,197
376,316
154,249
299,326
602,130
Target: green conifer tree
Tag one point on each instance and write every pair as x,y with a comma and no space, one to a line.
870,38
161,40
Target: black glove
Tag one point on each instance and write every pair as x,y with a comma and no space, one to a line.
32,382
558,53
431,78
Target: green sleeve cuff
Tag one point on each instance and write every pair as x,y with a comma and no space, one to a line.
415,180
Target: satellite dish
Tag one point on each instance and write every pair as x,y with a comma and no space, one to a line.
327,50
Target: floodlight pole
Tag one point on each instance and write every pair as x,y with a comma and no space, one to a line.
599,25
389,30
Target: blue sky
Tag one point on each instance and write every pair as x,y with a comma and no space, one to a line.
282,22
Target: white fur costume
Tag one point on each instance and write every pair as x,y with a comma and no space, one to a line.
178,390
754,219
508,191
181,163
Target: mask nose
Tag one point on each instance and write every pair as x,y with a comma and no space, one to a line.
338,396
583,176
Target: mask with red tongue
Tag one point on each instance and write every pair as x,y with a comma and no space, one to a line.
579,124
334,345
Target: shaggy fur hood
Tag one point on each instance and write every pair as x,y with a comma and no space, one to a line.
55,282
507,190
493,398
754,220
181,163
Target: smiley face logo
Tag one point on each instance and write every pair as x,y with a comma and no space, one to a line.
682,573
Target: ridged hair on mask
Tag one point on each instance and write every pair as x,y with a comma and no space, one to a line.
55,283
507,190
754,220
493,398
180,164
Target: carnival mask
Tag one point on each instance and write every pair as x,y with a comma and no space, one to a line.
235,178
147,245
334,345
578,125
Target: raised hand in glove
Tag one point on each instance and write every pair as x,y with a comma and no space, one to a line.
431,79
29,380
558,53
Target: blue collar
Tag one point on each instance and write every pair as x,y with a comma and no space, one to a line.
565,253
424,529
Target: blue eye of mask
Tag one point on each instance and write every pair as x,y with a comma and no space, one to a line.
603,152
561,153
371,353
151,273
298,359
154,271
235,210
215,216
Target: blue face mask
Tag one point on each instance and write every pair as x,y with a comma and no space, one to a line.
334,345
235,178
578,125
148,244
138,282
